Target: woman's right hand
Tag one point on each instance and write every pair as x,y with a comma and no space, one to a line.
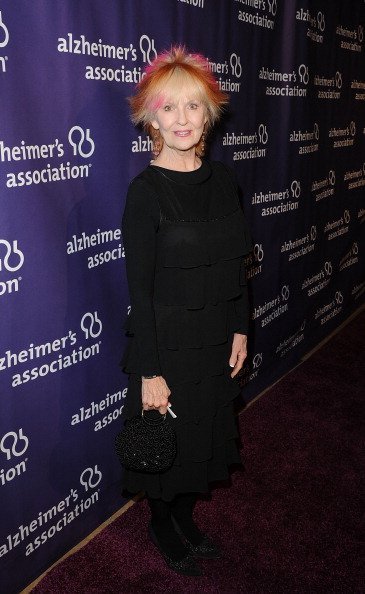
155,394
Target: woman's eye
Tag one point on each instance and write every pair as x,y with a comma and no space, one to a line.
194,106
167,108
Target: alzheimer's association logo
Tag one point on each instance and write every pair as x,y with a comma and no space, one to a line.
236,67
295,188
90,477
148,50
4,40
78,139
303,72
91,325
13,258
4,32
14,443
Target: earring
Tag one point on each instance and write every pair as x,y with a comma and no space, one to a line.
202,145
156,148
200,149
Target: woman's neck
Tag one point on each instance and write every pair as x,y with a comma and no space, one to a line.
177,161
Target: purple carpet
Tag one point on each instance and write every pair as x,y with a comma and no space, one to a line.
291,520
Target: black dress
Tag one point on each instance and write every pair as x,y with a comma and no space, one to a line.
185,236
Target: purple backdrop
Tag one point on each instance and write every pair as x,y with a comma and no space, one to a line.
294,133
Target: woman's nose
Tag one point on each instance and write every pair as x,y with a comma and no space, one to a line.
181,116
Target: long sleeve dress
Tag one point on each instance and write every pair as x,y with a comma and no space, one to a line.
185,236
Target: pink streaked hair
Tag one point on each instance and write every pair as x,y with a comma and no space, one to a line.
172,72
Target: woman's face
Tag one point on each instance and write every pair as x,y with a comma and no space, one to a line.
180,120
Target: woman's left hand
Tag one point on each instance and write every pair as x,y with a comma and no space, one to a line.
239,352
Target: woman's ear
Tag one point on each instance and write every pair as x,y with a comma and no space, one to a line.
155,125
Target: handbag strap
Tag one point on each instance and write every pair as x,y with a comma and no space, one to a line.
153,421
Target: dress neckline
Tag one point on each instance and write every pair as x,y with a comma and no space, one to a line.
197,176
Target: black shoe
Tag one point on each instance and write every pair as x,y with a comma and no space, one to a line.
186,565
207,549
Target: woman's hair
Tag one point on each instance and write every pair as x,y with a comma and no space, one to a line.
170,72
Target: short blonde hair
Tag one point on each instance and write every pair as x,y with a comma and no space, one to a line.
171,71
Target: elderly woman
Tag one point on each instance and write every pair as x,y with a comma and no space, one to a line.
185,236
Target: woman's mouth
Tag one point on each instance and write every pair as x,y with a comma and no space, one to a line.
182,133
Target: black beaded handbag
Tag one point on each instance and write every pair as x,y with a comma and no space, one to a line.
147,443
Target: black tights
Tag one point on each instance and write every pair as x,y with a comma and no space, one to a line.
181,508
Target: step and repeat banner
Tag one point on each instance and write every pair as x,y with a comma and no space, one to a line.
295,135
